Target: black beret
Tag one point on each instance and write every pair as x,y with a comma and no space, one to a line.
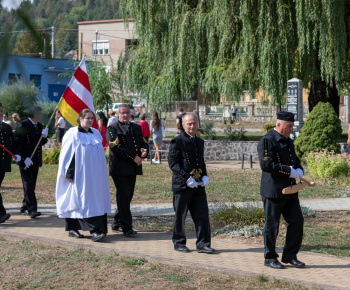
285,116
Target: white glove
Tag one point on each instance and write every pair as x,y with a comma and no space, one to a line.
28,162
45,132
191,183
300,172
17,158
205,180
293,174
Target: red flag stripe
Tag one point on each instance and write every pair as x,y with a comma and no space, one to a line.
82,78
76,103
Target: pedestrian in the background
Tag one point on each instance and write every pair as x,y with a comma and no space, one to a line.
158,131
6,140
144,127
6,119
112,117
280,168
132,118
16,122
60,125
82,188
27,137
233,114
179,117
102,127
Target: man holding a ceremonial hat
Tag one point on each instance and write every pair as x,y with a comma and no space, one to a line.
186,160
280,168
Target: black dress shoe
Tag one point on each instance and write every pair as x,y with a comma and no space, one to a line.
34,214
23,210
294,262
182,249
116,228
75,234
273,264
130,233
98,237
4,218
206,250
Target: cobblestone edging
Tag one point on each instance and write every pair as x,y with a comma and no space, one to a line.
218,150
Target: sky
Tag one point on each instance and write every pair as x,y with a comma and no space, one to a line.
10,3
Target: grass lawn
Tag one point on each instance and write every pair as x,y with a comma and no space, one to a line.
31,265
155,186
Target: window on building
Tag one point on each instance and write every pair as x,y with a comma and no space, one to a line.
13,78
36,79
101,47
129,45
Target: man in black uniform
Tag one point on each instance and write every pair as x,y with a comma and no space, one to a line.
186,160
280,168
127,147
6,140
181,114
27,136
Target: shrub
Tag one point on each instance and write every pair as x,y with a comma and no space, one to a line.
207,130
269,126
18,97
235,134
325,165
48,108
322,130
51,156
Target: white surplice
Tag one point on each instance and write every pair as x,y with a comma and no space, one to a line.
88,195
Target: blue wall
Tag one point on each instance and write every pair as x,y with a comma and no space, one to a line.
44,73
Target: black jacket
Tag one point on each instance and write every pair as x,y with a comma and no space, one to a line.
6,140
27,136
276,155
129,143
186,154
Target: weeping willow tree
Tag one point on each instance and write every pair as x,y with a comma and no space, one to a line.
223,46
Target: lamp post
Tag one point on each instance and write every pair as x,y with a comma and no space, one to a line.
96,45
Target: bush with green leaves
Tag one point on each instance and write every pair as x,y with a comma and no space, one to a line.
51,156
322,130
48,107
235,134
269,126
18,98
328,165
207,130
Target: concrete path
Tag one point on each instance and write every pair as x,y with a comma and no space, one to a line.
232,257
327,272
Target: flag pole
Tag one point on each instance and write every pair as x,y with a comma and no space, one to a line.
8,151
41,137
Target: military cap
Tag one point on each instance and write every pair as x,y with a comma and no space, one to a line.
285,116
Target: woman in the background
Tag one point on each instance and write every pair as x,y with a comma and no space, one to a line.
6,119
112,117
158,130
60,125
144,127
82,188
102,127
16,122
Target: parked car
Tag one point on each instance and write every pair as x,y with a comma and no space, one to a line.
132,110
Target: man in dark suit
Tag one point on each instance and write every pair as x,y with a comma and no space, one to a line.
280,168
27,137
186,160
6,140
127,147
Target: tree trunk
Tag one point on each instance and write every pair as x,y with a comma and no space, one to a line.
322,92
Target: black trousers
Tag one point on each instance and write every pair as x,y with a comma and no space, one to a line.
96,224
29,177
291,211
125,186
2,208
195,201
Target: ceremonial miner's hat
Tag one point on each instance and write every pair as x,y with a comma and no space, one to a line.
285,116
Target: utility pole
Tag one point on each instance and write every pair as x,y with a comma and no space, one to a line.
53,42
96,45
81,45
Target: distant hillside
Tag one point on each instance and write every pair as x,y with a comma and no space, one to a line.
62,14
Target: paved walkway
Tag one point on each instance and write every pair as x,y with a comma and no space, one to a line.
232,257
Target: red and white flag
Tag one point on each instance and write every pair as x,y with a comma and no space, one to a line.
77,96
